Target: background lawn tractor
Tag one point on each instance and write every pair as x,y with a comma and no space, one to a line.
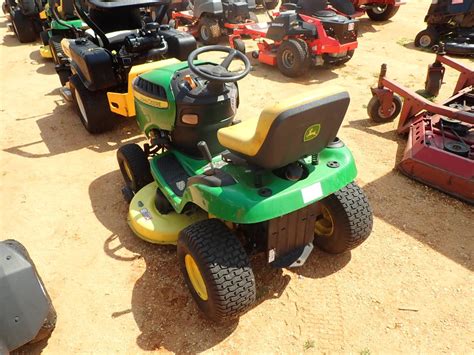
440,149
377,10
223,190
452,22
26,18
62,22
207,20
298,40
117,47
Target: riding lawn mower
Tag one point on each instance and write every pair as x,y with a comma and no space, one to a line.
440,148
26,17
377,10
223,191
207,20
451,22
101,64
301,35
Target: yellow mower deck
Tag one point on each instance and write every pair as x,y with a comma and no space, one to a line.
148,224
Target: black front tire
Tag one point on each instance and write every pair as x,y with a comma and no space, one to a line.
293,58
351,219
209,30
385,14
427,38
375,113
239,45
92,107
24,27
134,166
228,279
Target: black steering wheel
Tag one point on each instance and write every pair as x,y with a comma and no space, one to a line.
221,72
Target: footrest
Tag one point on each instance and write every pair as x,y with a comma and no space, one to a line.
173,173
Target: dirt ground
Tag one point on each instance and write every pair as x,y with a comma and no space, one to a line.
408,289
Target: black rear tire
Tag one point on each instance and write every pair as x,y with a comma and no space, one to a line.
44,36
24,27
374,109
134,166
92,107
427,38
344,6
293,58
209,30
351,220
227,277
386,12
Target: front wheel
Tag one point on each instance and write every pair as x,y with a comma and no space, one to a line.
293,57
92,107
209,30
216,270
382,12
427,38
23,27
345,220
134,166
374,110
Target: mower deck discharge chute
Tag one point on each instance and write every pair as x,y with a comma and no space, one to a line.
440,149
297,38
100,65
223,190
451,22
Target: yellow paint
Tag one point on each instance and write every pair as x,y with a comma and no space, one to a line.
45,52
159,229
324,225
195,277
65,43
248,137
123,103
150,101
42,15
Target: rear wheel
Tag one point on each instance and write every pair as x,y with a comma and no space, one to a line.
24,27
427,38
293,57
92,107
345,220
134,166
382,12
374,109
209,30
216,270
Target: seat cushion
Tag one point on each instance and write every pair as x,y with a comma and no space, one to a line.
113,37
287,131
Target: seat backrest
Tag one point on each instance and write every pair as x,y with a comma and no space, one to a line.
116,19
299,127
309,7
280,26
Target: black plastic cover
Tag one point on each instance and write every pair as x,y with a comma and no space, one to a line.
93,64
180,44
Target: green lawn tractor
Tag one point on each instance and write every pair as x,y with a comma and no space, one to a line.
25,17
99,66
62,22
222,190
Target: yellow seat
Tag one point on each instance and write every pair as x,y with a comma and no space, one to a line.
285,132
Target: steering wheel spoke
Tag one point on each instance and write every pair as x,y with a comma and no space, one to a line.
221,72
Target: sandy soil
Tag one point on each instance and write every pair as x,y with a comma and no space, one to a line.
407,289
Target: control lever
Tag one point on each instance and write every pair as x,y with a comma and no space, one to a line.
206,154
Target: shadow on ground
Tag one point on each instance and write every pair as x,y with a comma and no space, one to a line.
407,205
61,132
160,294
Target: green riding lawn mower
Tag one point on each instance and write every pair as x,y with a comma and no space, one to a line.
223,191
96,68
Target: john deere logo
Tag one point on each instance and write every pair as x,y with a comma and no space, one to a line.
311,132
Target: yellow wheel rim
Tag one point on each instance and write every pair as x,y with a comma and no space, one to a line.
127,170
324,224
196,277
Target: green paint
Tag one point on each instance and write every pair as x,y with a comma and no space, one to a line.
55,25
